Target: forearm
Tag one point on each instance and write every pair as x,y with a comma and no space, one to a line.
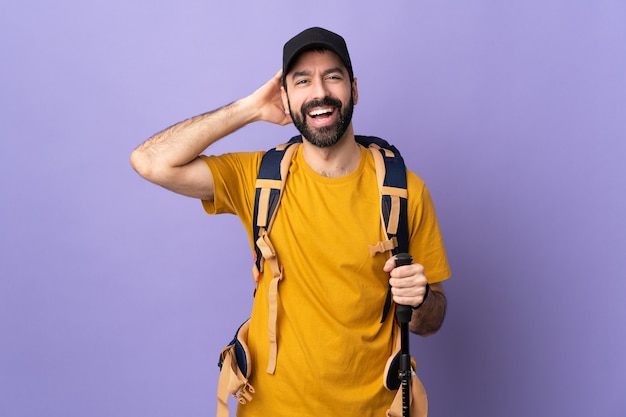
181,143
427,319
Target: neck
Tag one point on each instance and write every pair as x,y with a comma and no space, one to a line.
334,161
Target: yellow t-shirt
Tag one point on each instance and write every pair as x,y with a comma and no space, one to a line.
332,348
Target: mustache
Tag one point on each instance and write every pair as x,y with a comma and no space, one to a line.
326,101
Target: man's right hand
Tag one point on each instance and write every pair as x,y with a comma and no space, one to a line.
268,100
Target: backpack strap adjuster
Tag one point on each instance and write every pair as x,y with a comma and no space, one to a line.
382,247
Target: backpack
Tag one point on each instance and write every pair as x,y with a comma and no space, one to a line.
270,183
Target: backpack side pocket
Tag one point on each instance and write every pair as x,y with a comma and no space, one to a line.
235,368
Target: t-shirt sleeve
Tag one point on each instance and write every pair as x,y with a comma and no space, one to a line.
234,176
425,240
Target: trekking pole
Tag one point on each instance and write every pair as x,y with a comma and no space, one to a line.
403,313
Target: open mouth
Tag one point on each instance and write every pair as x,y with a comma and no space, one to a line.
321,112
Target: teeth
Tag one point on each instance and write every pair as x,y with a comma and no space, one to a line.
319,111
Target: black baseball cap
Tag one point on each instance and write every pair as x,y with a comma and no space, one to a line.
313,38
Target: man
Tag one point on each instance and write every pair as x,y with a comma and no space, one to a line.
332,346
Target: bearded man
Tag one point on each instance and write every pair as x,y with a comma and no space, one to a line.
332,345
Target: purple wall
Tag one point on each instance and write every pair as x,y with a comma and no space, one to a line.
116,296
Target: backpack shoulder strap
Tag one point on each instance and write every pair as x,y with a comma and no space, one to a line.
391,175
270,184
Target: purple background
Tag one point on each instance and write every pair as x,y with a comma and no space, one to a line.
116,296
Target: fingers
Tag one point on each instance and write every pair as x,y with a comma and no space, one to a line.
409,300
268,103
402,271
408,283
408,277
405,293
390,264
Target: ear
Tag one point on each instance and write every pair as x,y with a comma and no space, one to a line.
285,99
355,92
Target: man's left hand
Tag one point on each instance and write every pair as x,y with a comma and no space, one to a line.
408,283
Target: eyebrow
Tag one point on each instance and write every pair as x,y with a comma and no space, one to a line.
305,73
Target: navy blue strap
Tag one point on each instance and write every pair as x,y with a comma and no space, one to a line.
268,170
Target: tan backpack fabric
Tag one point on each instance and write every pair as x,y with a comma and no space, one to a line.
235,367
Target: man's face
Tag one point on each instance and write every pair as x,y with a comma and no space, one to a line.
320,97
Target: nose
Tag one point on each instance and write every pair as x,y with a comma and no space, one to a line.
319,90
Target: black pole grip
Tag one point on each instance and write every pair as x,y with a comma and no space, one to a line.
404,312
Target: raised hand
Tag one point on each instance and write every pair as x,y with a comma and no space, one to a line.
268,101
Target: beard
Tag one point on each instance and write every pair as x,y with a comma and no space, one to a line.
328,135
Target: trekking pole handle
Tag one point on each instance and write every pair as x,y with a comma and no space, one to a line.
403,312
